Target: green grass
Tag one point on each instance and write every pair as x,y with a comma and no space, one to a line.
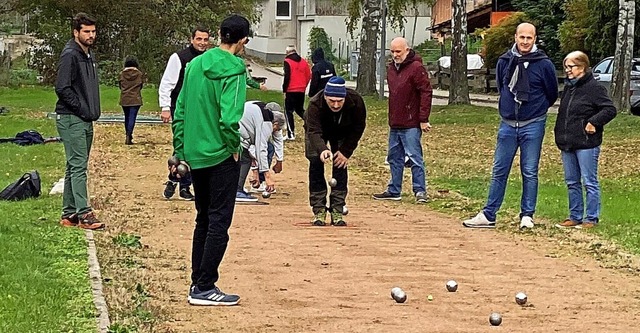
44,285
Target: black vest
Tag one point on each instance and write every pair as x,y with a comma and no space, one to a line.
185,56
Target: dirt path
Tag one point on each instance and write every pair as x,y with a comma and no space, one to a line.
295,278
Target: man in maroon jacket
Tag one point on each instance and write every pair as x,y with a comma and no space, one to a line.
297,75
409,108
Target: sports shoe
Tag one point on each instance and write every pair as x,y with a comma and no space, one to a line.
70,221
336,219
586,225
211,297
526,222
386,196
319,217
90,221
169,190
479,221
185,194
568,223
421,197
242,196
259,189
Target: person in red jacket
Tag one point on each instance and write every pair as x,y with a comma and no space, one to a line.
409,108
297,75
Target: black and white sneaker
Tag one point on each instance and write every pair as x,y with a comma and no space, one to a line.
212,297
387,196
185,194
169,190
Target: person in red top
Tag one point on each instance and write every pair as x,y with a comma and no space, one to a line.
297,75
409,108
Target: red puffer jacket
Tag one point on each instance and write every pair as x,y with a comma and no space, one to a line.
409,93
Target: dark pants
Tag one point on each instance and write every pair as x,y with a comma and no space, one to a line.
245,166
293,102
215,199
77,137
318,186
130,115
185,182
270,152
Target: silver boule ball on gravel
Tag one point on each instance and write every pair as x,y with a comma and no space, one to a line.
521,298
452,286
266,194
345,210
333,182
398,295
495,319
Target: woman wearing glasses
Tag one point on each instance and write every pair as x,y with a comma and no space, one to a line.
585,108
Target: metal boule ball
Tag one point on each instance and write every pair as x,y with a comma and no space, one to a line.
521,298
345,210
333,182
266,194
495,319
173,160
398,295
452,286
182,170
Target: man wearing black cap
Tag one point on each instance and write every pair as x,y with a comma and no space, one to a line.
337,116
206,136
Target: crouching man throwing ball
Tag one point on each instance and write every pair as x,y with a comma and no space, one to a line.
336,116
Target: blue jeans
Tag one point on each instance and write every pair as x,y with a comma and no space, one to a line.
529,139
405,142
130,115
582,165
270,151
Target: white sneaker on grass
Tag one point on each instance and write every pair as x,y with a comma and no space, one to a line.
526,222
479,221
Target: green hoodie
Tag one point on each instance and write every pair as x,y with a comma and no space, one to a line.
210,105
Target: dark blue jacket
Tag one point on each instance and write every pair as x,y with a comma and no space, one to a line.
537,85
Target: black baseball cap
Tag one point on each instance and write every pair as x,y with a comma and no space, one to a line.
234,28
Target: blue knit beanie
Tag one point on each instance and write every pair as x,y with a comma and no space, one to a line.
335,87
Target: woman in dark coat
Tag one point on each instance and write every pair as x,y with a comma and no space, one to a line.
130,96
585,108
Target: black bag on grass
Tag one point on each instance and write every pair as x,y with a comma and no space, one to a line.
28,186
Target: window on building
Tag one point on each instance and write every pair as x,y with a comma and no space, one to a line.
283,10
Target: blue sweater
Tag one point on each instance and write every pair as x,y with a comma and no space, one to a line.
537,85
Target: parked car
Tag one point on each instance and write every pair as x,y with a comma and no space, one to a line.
603,72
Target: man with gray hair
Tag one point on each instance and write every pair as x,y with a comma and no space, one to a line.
259,122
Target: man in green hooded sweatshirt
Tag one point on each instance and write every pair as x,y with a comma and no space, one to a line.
206,136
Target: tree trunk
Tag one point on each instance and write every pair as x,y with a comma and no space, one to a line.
366,81
623,57
459,87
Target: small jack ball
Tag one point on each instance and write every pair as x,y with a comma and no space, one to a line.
266,194
182,170
495,319
333,182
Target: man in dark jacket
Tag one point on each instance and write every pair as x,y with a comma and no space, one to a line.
77,107
528,86
321,72
296,78
337,116
168,91
409,108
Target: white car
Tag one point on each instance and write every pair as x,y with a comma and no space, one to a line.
603,72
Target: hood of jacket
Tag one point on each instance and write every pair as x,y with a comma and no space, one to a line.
318,55
218,64
411,57
131,73
294,56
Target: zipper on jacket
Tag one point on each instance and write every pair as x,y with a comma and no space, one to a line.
566,118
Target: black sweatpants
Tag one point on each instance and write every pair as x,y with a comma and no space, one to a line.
318,186
293,102
215,198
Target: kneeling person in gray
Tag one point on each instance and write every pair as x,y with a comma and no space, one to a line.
337,116
257,125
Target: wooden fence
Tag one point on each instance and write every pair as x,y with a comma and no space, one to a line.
480,80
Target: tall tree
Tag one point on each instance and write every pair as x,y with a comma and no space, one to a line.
624,53
459,87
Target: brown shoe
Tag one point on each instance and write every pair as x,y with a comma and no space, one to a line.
587,225
69,221
568,223
90,221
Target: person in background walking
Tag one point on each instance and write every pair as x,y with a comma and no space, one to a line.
321,72
296,78
585,107
130,96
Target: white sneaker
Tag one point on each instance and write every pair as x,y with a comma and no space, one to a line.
479,221
258,189
526,222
